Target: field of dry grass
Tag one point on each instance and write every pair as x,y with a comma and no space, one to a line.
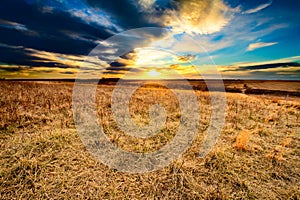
41,155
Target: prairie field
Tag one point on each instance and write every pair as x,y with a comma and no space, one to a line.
257,155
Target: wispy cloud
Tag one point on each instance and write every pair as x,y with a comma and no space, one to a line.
258,8
281,60
10,46
16,26
284,68
258,45
283,64
91,16
21,71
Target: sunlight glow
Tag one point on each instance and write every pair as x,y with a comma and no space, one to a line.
153,73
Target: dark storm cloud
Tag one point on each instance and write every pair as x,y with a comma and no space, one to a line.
129,16
125,60
51,27
125,12
117,64
25,57
122,64
26,25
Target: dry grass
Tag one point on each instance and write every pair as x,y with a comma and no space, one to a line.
42,157
275,85
277,153
242,140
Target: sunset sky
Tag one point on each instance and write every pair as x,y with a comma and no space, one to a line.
257,39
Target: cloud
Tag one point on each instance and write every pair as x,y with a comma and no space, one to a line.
265,66
284,68
186,58
281,71
16,26
293,59
51,28
146,5
258,45
258,8
200,44
35,72
21,56
197,17
125,12
151,57
90,16
122,65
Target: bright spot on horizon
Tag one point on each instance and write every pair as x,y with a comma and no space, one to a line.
153,73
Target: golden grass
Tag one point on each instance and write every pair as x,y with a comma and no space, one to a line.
42,157
277,153
242,140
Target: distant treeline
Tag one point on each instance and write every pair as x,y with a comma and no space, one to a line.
201,85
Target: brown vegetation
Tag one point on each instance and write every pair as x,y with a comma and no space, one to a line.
41,155
242,140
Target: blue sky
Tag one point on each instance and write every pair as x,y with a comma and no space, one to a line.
242,39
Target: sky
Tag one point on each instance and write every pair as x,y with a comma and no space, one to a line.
257,39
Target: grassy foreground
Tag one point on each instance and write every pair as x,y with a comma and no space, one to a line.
41,155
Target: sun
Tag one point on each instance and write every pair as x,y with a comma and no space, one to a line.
153,73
